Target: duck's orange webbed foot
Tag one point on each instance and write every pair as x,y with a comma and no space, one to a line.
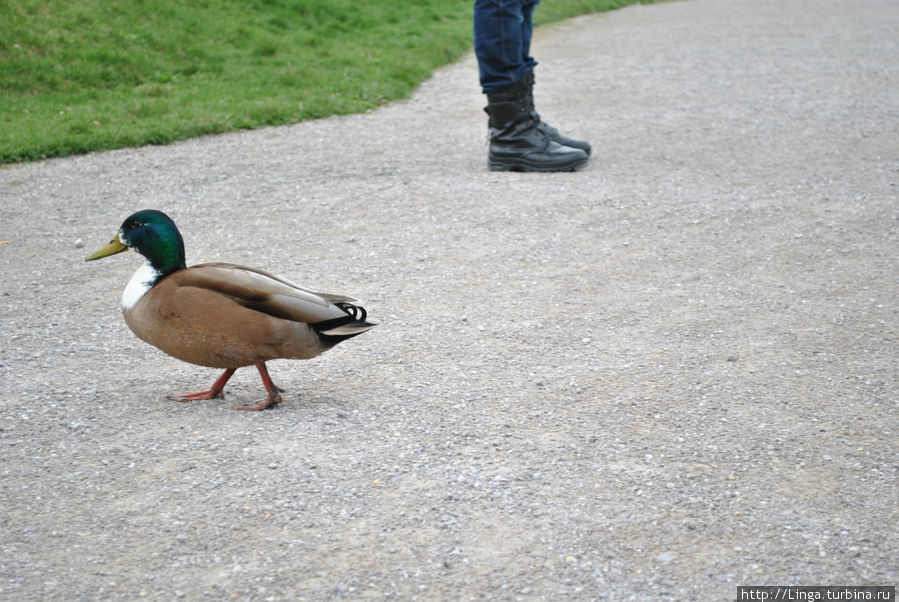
217,391
274,393
197,396
273,399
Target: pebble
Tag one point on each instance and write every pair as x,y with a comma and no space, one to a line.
666,557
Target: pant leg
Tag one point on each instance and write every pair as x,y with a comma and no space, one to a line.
527,32
502,41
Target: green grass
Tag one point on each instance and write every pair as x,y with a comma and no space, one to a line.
84,75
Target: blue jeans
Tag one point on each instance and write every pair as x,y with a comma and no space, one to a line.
502,41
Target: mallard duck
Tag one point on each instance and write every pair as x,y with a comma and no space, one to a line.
223,315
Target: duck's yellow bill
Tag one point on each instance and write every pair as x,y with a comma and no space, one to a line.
114,246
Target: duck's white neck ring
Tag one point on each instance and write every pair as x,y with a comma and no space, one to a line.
142,281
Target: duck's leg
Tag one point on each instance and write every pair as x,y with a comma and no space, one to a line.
216,392
274,396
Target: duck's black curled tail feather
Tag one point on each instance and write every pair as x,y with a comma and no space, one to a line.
356,311
336,330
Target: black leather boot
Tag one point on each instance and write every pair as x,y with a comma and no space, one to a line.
547,129
516,142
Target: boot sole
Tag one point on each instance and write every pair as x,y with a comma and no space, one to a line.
518,165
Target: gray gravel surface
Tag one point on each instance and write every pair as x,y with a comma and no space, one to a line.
661,377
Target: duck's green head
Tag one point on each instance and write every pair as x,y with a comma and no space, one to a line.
151,233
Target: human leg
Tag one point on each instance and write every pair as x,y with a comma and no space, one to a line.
502,40
503,31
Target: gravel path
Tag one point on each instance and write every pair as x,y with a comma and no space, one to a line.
664,376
